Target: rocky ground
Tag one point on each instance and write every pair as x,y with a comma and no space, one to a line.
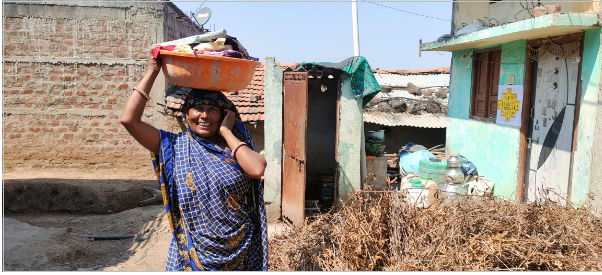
46,212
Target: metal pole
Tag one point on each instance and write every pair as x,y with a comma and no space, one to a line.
356,52
356,34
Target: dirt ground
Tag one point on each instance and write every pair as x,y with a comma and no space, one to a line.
47,211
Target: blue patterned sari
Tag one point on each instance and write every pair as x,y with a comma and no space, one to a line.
216,213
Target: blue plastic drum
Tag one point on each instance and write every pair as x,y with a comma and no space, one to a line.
411,162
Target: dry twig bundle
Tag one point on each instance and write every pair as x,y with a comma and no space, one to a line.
379,232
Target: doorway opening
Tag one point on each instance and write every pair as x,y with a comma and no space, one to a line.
553,116
323,94
309,144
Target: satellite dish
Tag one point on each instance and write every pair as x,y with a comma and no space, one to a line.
202,15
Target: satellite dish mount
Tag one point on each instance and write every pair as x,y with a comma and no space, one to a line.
202,16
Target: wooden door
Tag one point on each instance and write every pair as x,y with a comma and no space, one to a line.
294,140
551,128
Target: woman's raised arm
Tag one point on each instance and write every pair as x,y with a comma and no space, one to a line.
147,135
251,162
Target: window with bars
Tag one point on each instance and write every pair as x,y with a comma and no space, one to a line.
486,78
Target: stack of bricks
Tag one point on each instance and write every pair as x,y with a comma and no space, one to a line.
66,81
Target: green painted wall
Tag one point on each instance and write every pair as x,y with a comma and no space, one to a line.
493,148
350,140
273,139
595,184
543,26
590,78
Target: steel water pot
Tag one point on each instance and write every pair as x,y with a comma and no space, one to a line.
376,136
454,162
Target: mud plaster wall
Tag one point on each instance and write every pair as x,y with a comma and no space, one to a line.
273,139
493,148
68,70
350,140
585,168
398,136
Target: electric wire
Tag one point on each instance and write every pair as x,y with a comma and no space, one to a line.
526,8
407,11
276,1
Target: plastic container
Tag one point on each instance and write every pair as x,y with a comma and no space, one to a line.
436,170
207,72
411,162
405,181
418,195
478,185
432,187
422,194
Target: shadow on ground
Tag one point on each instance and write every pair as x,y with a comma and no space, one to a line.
82,196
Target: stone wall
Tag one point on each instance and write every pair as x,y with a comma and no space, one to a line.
68,71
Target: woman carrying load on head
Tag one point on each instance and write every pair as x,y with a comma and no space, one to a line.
210,180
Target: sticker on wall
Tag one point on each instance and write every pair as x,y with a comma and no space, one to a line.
509,105
576,59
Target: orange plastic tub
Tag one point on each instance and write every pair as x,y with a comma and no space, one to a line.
207,72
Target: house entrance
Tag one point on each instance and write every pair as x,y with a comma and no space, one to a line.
310,109
552,123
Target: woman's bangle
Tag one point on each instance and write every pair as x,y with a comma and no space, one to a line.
141,93
236,148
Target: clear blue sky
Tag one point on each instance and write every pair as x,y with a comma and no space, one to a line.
298,32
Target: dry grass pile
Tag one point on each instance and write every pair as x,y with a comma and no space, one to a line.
379,232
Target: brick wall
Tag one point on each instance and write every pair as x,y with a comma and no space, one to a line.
67,73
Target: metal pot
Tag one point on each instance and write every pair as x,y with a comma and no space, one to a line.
453,176
454,162
376,136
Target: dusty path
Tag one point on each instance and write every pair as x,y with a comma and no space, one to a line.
50,242
40,233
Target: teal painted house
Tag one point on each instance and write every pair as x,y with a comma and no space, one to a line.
542,134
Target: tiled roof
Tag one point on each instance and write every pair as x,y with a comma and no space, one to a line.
405,119
250,101
288,65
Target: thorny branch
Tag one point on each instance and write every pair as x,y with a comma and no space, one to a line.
378,231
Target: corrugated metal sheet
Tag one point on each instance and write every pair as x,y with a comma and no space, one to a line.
398,93
405,119
420,80
404,94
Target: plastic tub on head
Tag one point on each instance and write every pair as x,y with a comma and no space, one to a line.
207,72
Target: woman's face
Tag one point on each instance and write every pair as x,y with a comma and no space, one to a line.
205,120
